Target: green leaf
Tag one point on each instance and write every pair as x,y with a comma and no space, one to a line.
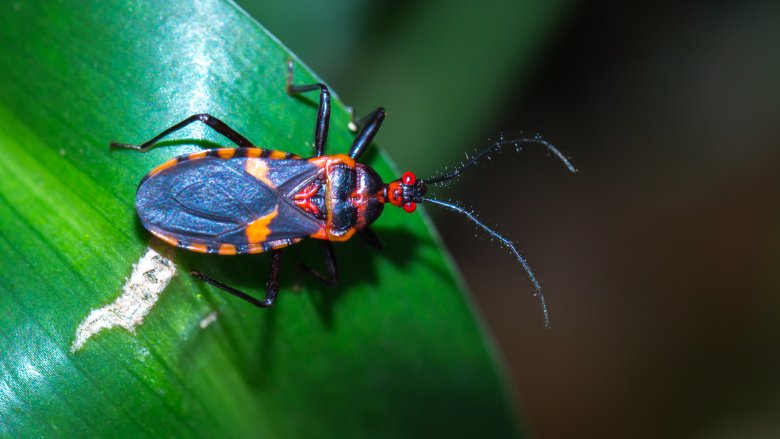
394,351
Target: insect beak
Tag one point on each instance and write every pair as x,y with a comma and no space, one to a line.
416,192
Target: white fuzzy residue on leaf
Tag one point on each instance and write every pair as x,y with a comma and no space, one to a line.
149,278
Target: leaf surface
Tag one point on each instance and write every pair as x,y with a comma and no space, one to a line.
394,351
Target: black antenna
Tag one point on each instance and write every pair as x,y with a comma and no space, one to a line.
507,243
497,146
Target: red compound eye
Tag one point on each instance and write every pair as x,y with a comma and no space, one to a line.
408,179
409,206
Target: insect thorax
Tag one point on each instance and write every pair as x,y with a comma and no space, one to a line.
344,196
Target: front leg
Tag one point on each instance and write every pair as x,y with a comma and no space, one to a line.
370,237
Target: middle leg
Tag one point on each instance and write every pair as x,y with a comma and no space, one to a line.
271,290
329,257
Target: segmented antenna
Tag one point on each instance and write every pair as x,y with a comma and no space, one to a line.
497,145
509,244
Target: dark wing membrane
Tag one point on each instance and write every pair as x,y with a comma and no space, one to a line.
288,175
211,201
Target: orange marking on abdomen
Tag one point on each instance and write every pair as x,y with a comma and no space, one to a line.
197,155
163,167
226,153
170,240
226,249
197,247
253,152
258,229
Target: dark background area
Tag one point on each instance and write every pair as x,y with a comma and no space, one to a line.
660,257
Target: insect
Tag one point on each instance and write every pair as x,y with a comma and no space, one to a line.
231,201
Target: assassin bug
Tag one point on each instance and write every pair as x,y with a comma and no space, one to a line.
231,201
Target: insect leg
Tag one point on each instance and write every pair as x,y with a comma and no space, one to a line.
329,256
323,113
368,127
371,238
213,122
271,291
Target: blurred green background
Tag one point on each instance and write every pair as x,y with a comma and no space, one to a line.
660,257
